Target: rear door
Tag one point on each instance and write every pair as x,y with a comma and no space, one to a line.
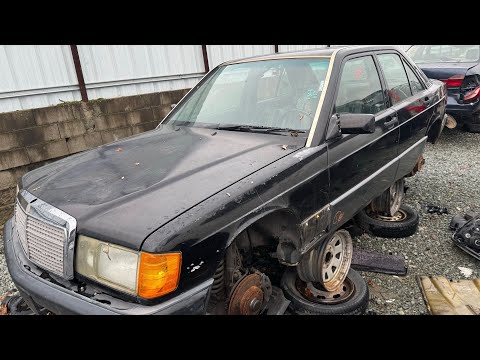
412,102
362,166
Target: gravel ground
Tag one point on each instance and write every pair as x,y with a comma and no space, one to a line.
449,179
6,283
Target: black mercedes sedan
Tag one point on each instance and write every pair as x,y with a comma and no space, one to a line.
237,203
458,66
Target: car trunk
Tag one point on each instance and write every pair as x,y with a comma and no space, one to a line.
455,76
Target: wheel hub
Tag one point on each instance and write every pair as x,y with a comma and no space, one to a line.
249,295
314,292
400,215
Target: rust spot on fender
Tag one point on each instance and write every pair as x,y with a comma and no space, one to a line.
338,217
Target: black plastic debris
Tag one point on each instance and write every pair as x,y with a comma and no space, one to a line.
467,233
433,209
379,263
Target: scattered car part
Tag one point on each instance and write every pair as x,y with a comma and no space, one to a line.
433,209
461,219
467,272
328,264
378,263
3,309
404,223
467,249
451,123
15,305
467,233
250,295
310,299
390,200
454,297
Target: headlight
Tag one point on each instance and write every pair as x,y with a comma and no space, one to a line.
136,273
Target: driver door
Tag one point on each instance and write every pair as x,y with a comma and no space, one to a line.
361,166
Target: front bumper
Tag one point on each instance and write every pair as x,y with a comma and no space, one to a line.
39,292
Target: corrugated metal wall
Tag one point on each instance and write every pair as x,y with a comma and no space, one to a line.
35,76
42,75
121,70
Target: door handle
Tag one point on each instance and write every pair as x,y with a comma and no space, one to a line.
427,100
391,123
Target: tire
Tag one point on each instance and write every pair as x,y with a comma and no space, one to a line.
473,128
387,229
356,305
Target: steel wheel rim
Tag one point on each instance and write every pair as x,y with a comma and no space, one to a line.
335,260
396,196
400,215
314,293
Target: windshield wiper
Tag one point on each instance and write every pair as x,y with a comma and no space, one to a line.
287,130
259,129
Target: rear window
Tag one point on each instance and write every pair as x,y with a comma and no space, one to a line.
422,54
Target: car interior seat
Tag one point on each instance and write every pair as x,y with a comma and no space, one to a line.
303,92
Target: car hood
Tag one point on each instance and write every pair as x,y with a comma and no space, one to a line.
124,191
441,71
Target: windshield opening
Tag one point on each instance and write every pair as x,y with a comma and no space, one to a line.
422,54
281,94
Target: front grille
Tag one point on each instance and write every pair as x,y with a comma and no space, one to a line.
42,242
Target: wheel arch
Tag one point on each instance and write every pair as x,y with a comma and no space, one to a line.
435,129
281,224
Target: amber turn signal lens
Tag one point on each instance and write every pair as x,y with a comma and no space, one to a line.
158,274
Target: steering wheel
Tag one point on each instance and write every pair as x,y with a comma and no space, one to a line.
302,114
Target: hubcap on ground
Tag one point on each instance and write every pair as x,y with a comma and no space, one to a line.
314,292
400,215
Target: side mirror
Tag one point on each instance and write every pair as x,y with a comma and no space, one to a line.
357,123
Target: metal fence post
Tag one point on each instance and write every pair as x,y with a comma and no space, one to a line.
78,70
205,58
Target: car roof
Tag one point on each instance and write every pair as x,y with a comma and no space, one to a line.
343,49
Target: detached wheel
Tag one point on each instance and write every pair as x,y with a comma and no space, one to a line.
310,299
402,224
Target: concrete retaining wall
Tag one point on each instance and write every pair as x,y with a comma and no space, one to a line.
33,138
